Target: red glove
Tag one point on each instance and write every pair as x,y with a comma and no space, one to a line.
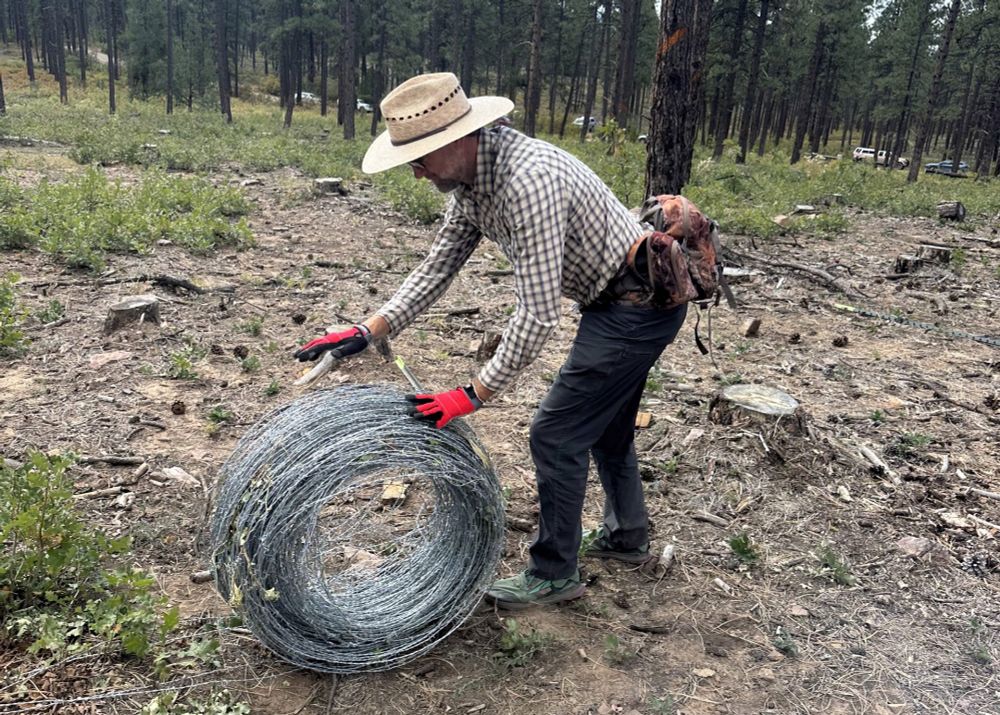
442,407
343,344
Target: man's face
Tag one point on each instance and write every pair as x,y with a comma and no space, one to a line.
445,167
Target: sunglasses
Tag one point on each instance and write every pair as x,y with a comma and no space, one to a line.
418,164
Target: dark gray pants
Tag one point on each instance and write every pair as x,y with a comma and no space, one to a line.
591,409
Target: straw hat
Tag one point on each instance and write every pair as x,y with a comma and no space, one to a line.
426,113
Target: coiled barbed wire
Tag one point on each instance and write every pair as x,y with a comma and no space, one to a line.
323,571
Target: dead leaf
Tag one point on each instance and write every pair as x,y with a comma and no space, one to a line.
179,475
704,672
914,546
956,520
693,436
798,611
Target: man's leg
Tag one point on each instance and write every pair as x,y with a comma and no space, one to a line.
600,381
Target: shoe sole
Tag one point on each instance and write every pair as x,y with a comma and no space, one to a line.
619,556
568,595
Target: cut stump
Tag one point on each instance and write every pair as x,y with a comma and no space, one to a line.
932,252
749,405
951,210
906,263
135,309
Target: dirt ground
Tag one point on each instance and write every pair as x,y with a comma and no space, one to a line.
911,628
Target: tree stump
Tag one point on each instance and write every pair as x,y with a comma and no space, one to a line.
487,346
747,406
951,210
906,263
135,309
931,252
330,185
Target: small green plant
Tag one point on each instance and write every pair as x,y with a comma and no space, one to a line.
219,415
588,538
958,259
254,326
784,643
877,416
834,568
981,655
730,378
218,703
908,445
12,340
61,587
662,706
742,347
251,363
616,652
744,549
180,364
518,647
272,389
53,311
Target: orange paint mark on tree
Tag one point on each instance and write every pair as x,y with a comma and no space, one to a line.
674,38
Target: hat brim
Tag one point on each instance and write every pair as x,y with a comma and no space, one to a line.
382,154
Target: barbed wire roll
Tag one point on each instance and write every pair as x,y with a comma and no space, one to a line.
326,571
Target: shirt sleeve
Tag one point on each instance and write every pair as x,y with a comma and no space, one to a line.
456,239
537,210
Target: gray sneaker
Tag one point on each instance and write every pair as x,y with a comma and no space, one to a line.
602,548
526,589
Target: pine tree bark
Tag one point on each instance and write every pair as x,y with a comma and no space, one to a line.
21,8
625,74
347,86
81,21
534,92
3,101
170,56
726,107
678,87
809,93
379,69
594,71
750,103
324,78
109,16
924,128
222,59
556,67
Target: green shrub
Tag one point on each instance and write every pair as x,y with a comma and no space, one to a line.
83,219
12,340
58,590
518,647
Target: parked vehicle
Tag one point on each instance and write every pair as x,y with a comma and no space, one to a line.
310,98
882,159
944,167
578,122
364,107
642,138
861,153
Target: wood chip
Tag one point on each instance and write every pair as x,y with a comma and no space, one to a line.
643,420
704,672
394,494
179,475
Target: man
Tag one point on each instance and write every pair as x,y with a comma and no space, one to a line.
564,233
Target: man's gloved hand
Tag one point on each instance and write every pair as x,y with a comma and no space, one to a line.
442,407
343,344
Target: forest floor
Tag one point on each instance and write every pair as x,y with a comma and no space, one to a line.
863,589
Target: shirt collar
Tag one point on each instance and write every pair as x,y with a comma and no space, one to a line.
486,155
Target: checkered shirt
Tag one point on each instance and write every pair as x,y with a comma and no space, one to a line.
560,227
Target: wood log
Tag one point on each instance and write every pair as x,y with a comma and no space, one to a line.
135,309
951,210
906,263
330,185
932,252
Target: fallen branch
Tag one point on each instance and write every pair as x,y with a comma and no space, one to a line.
710,519
324,366
98,493
113,460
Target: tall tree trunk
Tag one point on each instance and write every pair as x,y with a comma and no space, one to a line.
968,106
501,27
222,59
625,73
170,57
820,118
765,122
606,61
904,114
534,71
348,88
81,47
3,101
726,109
574,86
469,48
109,13
236,50
751,97
924,128
556,68
22,19
677,93
987,147
809,93
324,77
594,70
380,68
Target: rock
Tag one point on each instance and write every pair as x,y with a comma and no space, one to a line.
393,494
840,341
250,182
143,308
704,672
782,220
804,209
844,494
766,674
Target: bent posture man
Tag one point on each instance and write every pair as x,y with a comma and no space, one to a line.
564,233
